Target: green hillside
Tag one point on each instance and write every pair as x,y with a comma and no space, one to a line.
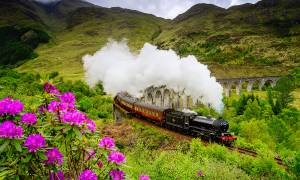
245,40
78,28
259,37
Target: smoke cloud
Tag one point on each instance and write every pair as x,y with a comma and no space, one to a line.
120,70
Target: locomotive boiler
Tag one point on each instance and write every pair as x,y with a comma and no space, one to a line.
185,122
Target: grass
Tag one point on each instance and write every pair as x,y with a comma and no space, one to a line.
64,53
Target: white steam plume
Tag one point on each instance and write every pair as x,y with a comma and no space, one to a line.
120,70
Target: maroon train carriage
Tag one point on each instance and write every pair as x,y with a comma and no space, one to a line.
134,106
154,113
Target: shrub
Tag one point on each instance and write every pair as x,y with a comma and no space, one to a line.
54,140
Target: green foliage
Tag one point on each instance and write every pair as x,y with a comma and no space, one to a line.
17,44
283,93
241,104
295,75
296,164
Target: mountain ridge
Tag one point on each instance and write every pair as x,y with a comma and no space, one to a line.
261,35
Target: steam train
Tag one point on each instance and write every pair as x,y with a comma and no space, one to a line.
185,122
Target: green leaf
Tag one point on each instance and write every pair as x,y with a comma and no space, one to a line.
27,159
3,146
18,146
69,136
42,156
78,134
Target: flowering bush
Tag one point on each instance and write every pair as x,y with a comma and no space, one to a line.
55,141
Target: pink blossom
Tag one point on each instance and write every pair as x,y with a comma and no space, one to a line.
54,156
35,142
8,106
116,157
55,106
116,174
74,118
69,99
88,175
91,125
10,131
29,119
144,177
200,174
107,143
50,89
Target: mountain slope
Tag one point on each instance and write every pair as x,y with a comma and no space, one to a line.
250,35
252,39
85,30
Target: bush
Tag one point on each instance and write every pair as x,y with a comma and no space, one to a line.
54,139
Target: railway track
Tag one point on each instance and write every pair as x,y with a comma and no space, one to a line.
181,136
253,153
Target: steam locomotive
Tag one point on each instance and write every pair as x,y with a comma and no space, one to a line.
185,122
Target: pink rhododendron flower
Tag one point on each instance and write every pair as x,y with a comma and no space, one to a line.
74,117
8,106
116,157
50,89
35,142
57,176
29,119
144,177
55,106
107,143
54,156
91,125
88,175
10,131
116,174
69,99
200,174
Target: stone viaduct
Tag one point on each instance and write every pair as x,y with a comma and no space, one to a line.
163,96
248,83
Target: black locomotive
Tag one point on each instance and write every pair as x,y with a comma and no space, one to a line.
186,122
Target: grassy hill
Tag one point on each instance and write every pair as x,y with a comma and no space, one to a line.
245,40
